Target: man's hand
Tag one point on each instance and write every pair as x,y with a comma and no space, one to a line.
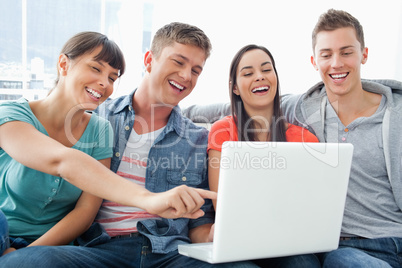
179,202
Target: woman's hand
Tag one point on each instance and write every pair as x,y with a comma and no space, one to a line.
179,202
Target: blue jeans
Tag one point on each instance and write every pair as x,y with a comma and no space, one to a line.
297,261
99,250
380,252
4,242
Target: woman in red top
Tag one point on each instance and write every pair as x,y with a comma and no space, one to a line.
256,116
255,103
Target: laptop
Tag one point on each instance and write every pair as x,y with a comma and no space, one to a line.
277,199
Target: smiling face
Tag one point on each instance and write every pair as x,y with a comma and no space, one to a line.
338,57
88,81
256,81
174,74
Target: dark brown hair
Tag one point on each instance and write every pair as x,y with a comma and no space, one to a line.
335,19
86,42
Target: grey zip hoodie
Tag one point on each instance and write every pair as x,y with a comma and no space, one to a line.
307,110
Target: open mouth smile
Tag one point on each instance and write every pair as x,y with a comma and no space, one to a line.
260,89
94,94
339,76
177,86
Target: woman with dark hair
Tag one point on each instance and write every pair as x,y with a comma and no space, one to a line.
246,116
42,208
55,156
256,116
255,104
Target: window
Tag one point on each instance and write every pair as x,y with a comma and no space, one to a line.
33,31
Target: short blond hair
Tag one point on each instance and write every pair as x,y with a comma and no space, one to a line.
181,33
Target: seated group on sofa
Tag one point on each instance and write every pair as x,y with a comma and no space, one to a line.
68,205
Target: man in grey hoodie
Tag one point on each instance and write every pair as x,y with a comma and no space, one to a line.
343,108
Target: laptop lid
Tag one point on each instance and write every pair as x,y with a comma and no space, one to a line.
279,198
